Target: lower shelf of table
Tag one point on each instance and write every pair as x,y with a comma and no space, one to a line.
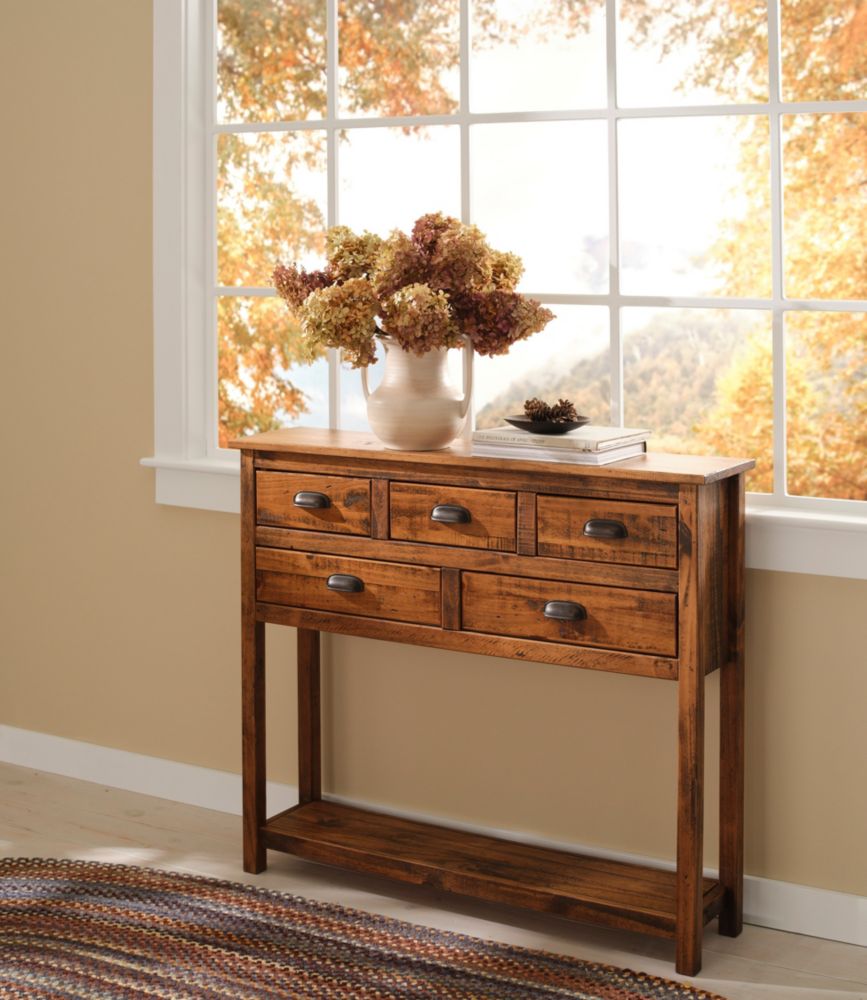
583,888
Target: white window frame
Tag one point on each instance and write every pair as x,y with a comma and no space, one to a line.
802,535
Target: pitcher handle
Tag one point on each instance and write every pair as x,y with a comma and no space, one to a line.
468,376
364,387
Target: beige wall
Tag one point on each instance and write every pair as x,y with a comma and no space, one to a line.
120,618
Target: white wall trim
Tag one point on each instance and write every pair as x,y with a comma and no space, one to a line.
802,909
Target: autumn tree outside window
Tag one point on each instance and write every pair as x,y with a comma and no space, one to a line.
686,181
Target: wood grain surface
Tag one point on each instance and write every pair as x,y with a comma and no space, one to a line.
527,650
492,513
391,590
539,878
665,601
651,531
634,620
484,560
357,445
348,513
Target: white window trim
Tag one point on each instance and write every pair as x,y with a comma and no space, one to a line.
828,539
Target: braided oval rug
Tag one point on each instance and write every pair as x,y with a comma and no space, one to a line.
71,929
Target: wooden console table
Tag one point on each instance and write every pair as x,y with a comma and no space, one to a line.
635,568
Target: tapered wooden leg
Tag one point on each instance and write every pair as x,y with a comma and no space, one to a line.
731,774
309,717
695,506
253,743
690,820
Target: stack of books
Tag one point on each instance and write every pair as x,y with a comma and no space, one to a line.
588,445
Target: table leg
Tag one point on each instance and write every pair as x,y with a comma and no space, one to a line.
309,717
731,780
690,820
253,743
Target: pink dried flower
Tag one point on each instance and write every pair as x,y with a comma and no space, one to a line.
294,284
428,229
497,319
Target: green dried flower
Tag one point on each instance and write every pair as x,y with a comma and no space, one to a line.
419,319
399,263
342,316
350,255
506,270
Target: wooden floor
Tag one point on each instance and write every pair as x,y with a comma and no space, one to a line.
43,815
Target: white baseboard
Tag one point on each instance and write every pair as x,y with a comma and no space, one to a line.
802,909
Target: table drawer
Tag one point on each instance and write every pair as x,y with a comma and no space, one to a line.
395,591
638,621
446,515
641,534
315,503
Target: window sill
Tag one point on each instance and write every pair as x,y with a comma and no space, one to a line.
777,538
204,483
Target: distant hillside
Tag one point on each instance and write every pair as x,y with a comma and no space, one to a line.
670,371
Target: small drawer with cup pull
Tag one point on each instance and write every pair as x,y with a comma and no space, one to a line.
637,621
445,515
396,591
640,534
338,504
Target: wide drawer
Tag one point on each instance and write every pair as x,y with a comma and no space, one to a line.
638,621
641,534
395,591
446,515
315,503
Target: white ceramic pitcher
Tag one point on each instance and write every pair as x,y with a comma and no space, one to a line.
415,407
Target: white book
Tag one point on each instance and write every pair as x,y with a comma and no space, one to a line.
573,457
590,438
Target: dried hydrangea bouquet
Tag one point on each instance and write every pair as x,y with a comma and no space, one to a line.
418,295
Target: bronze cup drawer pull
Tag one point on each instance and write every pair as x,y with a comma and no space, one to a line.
600,527
450,513
565,611
345,583
311,500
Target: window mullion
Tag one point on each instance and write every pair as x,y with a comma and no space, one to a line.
464,108
210,347
615,344
332,140
777,289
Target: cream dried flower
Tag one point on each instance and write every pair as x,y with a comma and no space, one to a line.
342,316
350,255
419,319
506,270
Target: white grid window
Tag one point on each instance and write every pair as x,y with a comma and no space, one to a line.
663,215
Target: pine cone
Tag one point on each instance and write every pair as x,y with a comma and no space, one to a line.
562,411
535,409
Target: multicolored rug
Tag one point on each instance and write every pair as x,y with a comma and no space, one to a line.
71,929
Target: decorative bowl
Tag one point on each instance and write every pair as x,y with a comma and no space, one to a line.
546,426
